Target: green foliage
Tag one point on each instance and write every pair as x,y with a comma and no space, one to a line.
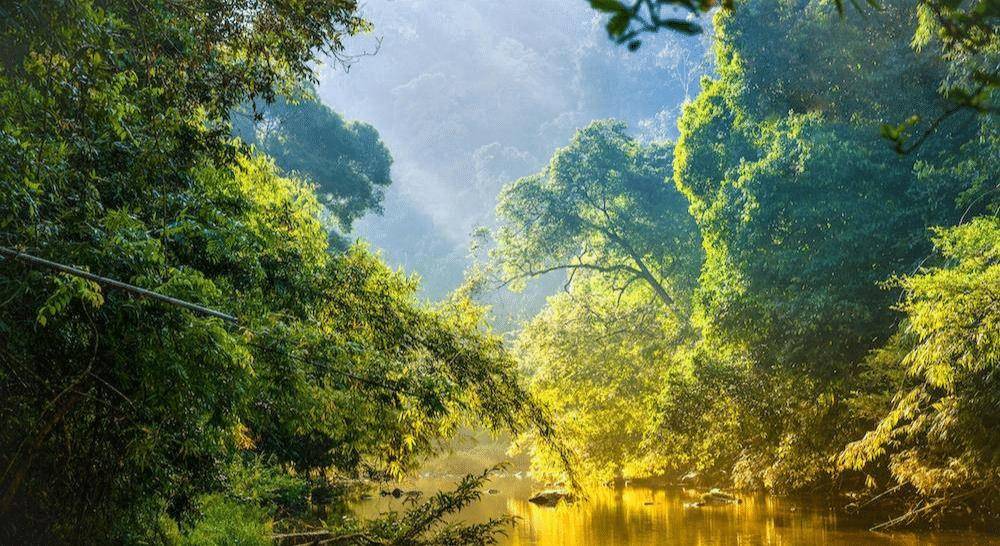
938,433
966,32
604,212
967,35
698,425
222,521
805,217
596,358
723,417
262,483
602,205
121,414
189,395
127,421
868,72
799,237
803,213
346,160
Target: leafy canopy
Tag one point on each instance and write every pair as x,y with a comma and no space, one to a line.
938,434
604,205
346,160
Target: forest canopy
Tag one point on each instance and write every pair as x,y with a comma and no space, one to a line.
840,333
347,161
798,293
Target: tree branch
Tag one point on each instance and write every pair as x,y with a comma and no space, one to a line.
564,267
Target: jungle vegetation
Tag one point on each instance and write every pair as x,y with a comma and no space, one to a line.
800,293
130,421
347,161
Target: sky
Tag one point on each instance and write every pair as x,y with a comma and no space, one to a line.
472,94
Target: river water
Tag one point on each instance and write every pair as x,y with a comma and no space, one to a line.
646,516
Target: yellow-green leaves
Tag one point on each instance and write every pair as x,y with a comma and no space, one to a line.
938,431
604,206
68,289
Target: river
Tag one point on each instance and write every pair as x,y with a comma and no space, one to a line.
646,516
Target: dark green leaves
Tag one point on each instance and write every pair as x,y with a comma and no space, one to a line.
628,21
618,24
346,160
621,17
684,27
609,6
116,155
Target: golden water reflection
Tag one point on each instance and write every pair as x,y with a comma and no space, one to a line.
643,516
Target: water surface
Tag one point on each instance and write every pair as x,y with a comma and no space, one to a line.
646,516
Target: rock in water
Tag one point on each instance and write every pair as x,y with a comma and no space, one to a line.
551,497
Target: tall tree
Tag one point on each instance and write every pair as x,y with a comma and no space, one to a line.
603,204
803,212
966,33
597,359
346,160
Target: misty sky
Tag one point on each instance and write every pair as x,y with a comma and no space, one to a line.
470,95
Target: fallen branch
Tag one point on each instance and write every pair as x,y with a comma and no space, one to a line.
889,491
322,538
914,513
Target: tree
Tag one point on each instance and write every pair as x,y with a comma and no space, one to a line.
809,222
966,32
602,205
596,359
346,160
605,212
872,75
804,215
802,212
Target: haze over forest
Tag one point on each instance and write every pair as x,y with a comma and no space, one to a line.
469,96
265,263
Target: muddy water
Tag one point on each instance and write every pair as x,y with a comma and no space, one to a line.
644,516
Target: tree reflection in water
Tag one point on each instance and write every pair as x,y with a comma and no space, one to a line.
645,516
